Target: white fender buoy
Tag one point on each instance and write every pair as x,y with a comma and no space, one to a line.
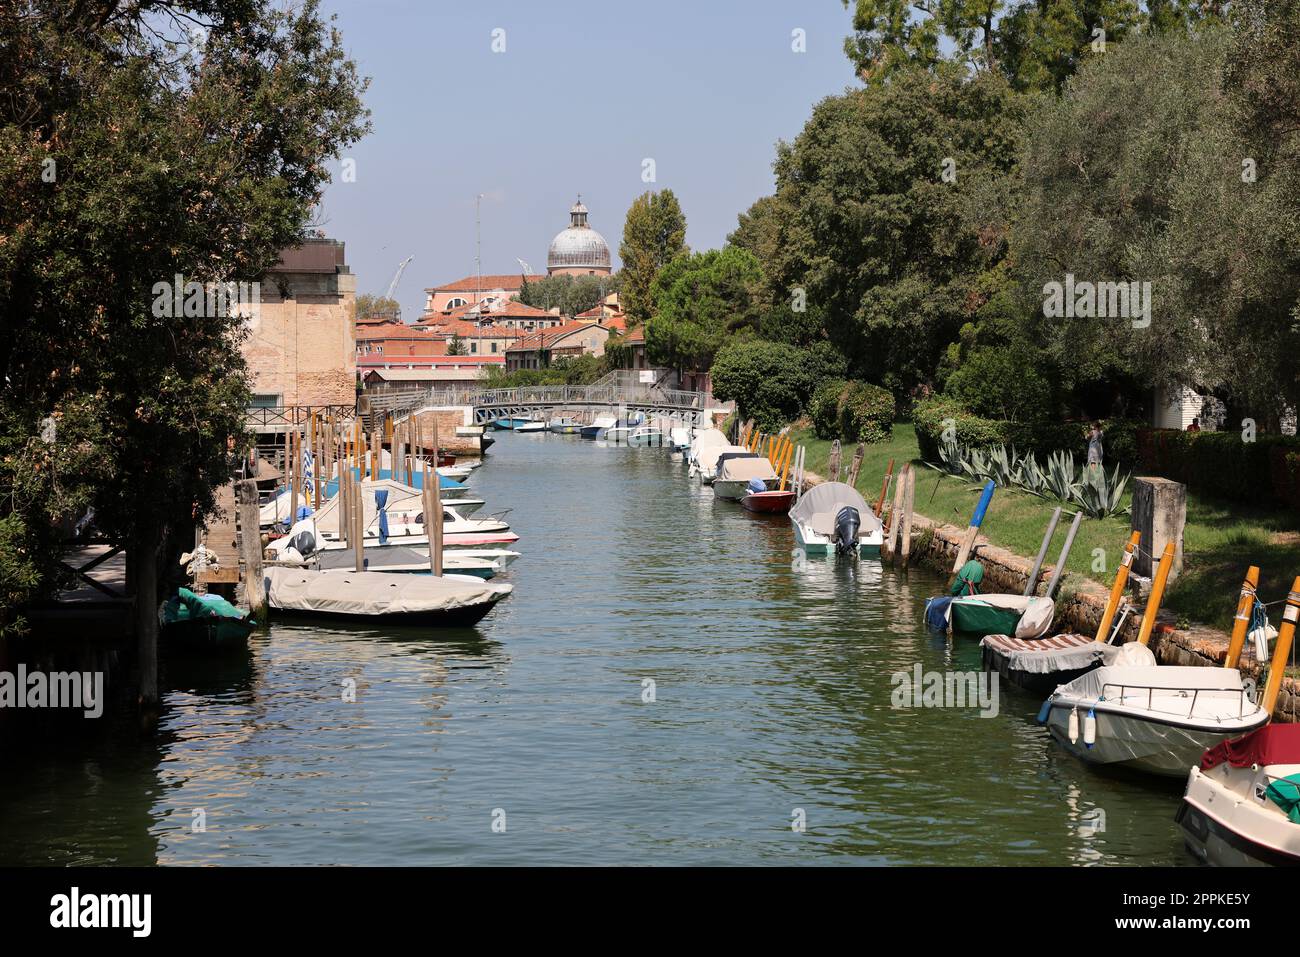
1074,725
1090,728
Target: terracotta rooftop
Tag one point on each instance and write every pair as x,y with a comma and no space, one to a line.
485,283
546,338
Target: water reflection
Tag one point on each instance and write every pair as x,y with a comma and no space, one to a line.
663,687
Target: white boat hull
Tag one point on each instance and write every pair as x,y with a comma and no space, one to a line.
1228,822
815,544
1156,744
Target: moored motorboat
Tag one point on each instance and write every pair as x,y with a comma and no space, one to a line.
1039,665
833,517
565,425
736,470
1022,616
774,501
646,436
598,425
1152,718
531,425
1242,803
449,601
202,624
705,450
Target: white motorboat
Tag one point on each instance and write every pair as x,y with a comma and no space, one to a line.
646,436
565,425
1242,804
704,452
598,425
1148,717
833,517
679,438
449,601
531,426
737,471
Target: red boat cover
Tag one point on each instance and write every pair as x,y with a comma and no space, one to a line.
1271,744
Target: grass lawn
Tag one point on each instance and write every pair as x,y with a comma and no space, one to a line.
1220,541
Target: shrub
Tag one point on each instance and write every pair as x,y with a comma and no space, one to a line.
824,408
1221,464
1042,438
866,413
770,381
999,383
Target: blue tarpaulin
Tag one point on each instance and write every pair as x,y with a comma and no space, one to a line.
381,503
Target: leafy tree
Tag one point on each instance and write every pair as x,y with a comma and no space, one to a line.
998,383
1035,44
700,300
653,235
128,155
572,294
1159,193
769,381
372,306
876,227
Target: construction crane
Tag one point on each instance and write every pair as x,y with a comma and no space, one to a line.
397,277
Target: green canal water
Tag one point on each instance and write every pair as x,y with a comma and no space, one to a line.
772,703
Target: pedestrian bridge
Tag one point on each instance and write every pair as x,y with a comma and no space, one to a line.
544,402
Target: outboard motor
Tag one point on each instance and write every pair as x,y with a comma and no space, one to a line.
304,543
847,523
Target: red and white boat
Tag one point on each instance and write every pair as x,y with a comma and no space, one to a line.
774,501
1242,805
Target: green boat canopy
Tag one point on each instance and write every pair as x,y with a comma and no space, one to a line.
187,606
968,579
1285,793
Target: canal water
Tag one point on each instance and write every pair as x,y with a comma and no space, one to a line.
663,687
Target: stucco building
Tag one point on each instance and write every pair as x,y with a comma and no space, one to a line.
301,347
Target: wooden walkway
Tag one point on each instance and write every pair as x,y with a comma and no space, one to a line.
222,538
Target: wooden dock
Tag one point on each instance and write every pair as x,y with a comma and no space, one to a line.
221,537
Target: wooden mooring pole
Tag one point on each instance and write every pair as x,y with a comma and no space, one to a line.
250,548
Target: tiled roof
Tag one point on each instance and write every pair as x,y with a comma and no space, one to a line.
391,330
636,335
510,309
485,283
546,338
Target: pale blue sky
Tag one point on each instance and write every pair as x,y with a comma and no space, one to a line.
582,94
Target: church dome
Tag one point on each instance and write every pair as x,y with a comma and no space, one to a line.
579,248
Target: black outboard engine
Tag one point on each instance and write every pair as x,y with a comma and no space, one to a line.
304,543
847,523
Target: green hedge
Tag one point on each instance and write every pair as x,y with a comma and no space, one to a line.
824,408
866,413
1042,438
1223,465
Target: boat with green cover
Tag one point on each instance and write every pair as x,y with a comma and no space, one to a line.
204,624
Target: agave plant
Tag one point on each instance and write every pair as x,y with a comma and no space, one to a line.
1060,476
1098,497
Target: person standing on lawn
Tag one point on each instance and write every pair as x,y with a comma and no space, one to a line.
1094,445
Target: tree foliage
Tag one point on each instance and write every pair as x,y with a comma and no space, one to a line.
872,227
130,154
700,301
653,235
1184,188
571,294
370,306
770,382
1035,44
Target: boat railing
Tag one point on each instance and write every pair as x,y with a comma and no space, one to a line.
1195,693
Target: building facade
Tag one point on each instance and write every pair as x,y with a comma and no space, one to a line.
301,346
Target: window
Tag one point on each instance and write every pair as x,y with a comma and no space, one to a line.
494,347
455,302
266,401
